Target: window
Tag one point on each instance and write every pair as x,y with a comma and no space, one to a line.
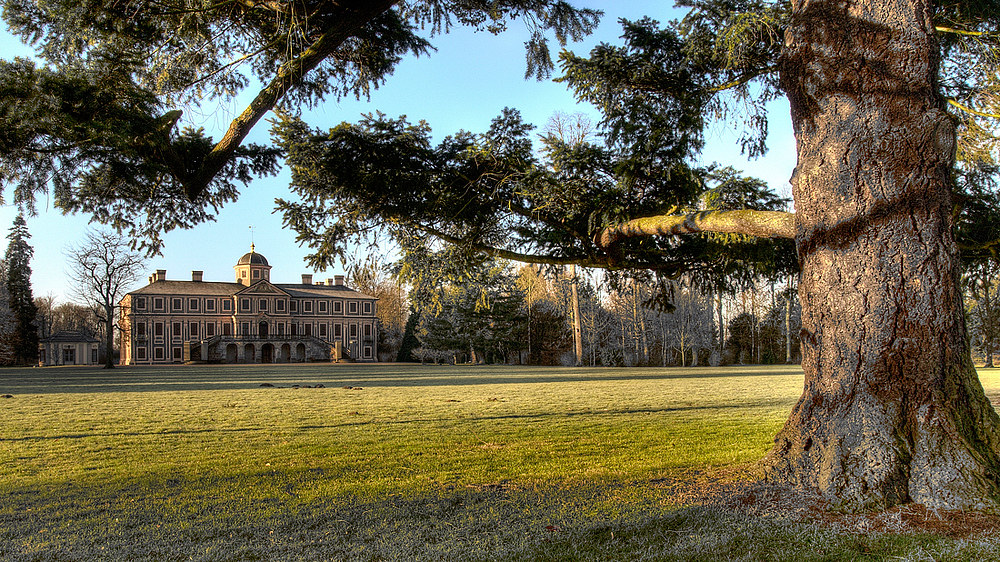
307,306
322,330
262,304
193,304
209,330
281,328
210,305
244,305
140,354
176,304
227,305
338,331
338,307
293,306
368,331
158,329
309,330
93,355
352,307
158,354
368,352
69,356
177,354
366,307
245,329
227,329
354,331
243,274
158,303
256,274
295,329
193,330
322,307
140,328
140,303
279,305
177,330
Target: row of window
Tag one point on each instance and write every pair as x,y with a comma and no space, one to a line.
196,304
159,354
323,330
68,355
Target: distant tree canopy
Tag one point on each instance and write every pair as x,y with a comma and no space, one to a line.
97,119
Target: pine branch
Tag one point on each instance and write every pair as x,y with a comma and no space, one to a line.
354,16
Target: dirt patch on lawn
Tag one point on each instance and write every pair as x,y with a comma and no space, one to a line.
743,489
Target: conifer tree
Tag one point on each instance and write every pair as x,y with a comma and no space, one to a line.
23,340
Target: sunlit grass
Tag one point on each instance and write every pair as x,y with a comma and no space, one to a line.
382,462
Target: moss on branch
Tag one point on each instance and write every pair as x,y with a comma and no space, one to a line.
762,224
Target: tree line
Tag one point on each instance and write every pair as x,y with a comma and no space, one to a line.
510,313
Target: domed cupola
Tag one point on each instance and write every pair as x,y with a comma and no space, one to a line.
251,268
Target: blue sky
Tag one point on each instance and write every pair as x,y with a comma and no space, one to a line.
463,85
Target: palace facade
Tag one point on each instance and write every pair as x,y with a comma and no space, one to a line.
251,320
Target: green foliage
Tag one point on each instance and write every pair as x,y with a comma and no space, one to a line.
480,319
550,336
97,121
95,138
487,194
410,341
23,339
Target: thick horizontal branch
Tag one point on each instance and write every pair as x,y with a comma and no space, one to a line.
599,262
508,254
972,111
941,29
741,80
762,224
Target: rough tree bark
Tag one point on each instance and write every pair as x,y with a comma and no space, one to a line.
892,409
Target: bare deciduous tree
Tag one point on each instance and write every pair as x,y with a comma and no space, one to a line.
102,267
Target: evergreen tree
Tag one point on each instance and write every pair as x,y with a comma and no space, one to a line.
410,341
23,340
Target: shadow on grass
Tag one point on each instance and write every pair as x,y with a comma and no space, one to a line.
173,519
240,377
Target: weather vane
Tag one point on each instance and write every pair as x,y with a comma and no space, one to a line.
251,239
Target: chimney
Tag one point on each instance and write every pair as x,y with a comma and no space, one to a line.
307,279
338,280
161,274
197,275
329,282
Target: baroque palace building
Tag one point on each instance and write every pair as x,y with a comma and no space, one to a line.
249,321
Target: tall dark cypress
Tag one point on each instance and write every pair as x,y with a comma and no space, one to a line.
24,338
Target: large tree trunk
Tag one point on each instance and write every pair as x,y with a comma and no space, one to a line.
893,410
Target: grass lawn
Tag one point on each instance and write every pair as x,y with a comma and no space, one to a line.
396,462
